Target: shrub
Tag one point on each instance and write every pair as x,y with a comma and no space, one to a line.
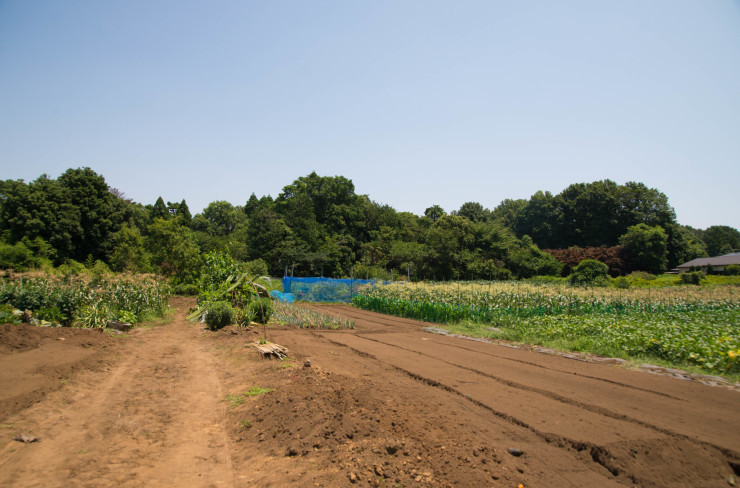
261,308
257,267
733,270
692,278
16,256
187,289
642,275
219,315
589,272
621,283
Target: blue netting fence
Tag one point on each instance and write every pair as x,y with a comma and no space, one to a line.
324,289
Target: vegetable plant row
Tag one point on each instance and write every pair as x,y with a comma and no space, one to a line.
697,326
77,302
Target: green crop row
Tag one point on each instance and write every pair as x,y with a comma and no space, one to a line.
703,331
85,304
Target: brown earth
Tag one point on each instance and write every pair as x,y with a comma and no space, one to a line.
383,405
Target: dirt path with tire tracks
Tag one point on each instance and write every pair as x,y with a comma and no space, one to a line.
386,404
153,419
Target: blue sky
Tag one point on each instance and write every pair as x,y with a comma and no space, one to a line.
418,102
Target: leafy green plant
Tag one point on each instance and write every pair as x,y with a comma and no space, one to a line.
245,316
261,309
95,315
52,314
219,315
692,278
126,316
236,399
256,390
7,316
75,298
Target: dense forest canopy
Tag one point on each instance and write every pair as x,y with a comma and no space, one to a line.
318,225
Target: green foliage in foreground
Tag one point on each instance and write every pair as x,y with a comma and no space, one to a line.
86,304
707,339
698,332
219,315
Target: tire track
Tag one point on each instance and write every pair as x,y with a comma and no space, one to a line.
566,400
363,314
619,458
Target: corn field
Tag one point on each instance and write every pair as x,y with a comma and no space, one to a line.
699,326
85,303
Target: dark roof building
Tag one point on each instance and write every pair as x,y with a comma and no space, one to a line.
718,263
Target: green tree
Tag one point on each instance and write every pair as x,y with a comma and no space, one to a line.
101,213
646,247
174,250
639,204
587,215
434,213
721,239
528,261
539,220
683,245
270,238
129,252
508,211
41,209
159,210
474,212
221,218
180,210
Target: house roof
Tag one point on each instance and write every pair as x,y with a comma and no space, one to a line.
726,260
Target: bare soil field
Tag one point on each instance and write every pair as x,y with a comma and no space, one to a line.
386,404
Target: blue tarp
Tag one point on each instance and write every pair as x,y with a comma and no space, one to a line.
283,297
324,289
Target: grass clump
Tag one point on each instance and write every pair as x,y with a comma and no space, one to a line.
236,399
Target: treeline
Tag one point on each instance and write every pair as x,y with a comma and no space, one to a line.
318,225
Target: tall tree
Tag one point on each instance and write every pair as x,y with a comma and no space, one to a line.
174,250
101,212
646,247
474,212
42,209
721,239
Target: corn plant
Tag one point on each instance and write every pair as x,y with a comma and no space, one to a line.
684,325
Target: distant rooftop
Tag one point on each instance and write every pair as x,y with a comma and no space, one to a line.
725,260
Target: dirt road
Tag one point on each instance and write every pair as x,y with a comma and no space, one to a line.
384,405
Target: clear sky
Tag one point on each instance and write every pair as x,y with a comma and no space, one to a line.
418,102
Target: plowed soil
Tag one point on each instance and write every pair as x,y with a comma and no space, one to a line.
386,404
